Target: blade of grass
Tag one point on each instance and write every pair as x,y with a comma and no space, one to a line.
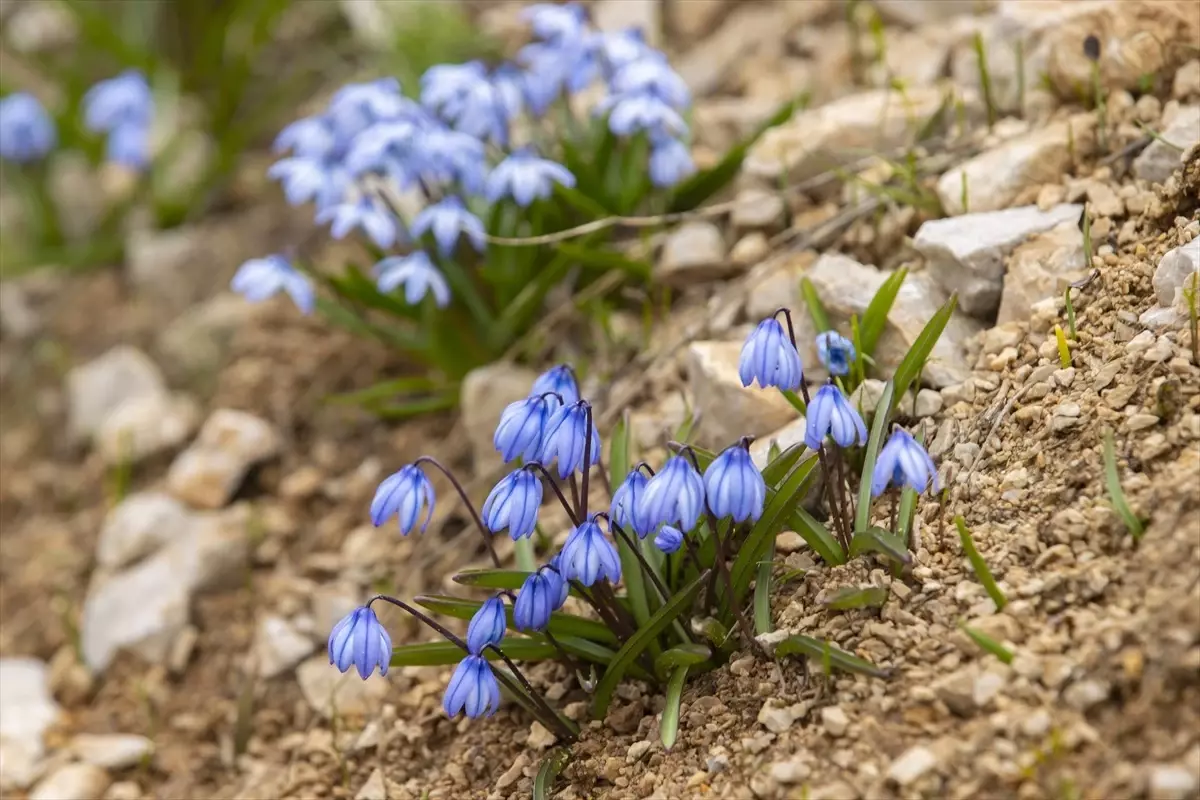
552,765
824,652
762,535
1112,481
561,624
874,319
669,727
878,540
913,363
862,516
979,565
989,644
762,593
688,655
631,568
818,537
849,597
816,309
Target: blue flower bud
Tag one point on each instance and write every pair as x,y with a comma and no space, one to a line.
473,689
487,626
836,352
561,381
513,503
769,357
623,510
540,594
554,571
903,462
566,435
675,495
260,278
830,414
522,428
589,556
668,539
734,486
359,640
27,132
404,494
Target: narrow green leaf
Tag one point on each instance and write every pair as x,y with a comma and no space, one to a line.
684,655
874,319
821,651
552,765
849,597
795,400
581,201
636,588
435,654
779,507
862,515
561,624
1112,481
640,640
979,566
816,309
818,537
385,390
762,593
712,629
605,260
914,360
878,540
416,408
669,727
781,464
989,644
492,578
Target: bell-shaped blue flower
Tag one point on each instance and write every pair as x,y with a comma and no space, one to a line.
304,179
561,381
555,568
653,75
670,161
27,132
473,689
366,212
441,156
641,111
625,500
417,274
128,145
769,357
588,555
356,106
513,503
566,436
443,85
668,539
359,639
310,137
674,496
554,21
117,102
522,428
830,414
260,278
734,486
903,462
836,352
487,626
403,494
525,177
540,594
447,219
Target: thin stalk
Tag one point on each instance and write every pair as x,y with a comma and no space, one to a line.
483,531
533,465
587,457
637,551
575,496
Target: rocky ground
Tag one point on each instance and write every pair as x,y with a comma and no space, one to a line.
182,515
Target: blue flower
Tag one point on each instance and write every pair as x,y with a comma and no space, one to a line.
769,357
26,131
473,689
367,213
548,69
443,156
640,111
556,21
404,493
487,626
588,556
540,594
566,435
668,539
260,278
481,109
117,102
385,148
561,381
621,48
444,85
524,177
356,106
734,486
417,274
675,495
309,137
903,462
670,161
653,76
830,414
128,145
835,351
554,567
307,179
447,220
513,503
625,501
521,429
358,639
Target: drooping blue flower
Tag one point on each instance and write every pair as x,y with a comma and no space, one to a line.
447,219
540,594
356,106
385,148
641,111
548,68
417,274
673,496
128,145
903,462
618,49
525,177
588,555
554,21
487,626
668,539
260,278
670,161
26,131
403,494
306,179
482,111
443,156
564,585
308,137
368,213
769,357
513,503
835,351
473,689
522,427
653,75
118,102
625,501
830,414
509,81
359,639
443,85
734,486
561,381
566,436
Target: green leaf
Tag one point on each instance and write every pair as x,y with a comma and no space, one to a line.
780,465
640,640
818,537
849,597
385,390
978,564
1112,481
862,515
669,727
878,540
580,201
436,654
605,260
914,360
824,652
762,593
631,569
492,578
561,624
552,764
989,644
874,319
706,183
816,309
684,655
795,400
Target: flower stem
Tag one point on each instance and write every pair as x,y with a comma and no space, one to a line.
534,465
637,551
483,531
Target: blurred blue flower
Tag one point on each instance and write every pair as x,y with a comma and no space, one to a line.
547,69
482,111
513,503
417,274
565,439
385,148
625,501
539,596
674,496
668,539
554,21
260,278
472,689
652,75
734,486
588,555
903,462
525,177
26,131
356,106
509,80
521,429
561,381
309,137
118,102
640,111
128,145
359,640
444,85
447,219
306,179
487,625
403,494
442,156
835,351
368,213
670,161
830,414
621,48
769,357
